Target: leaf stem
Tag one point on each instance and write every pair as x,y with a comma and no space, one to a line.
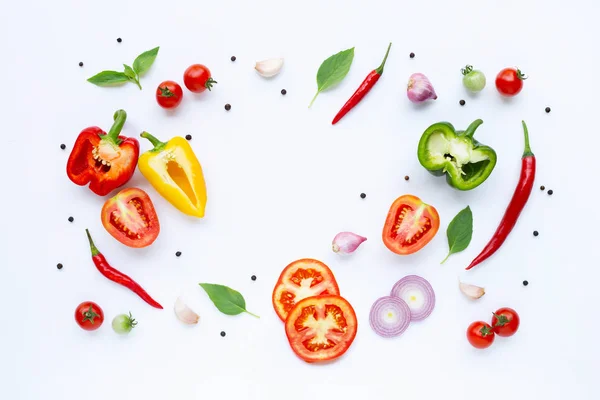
444,260
137,82
254,315
314,98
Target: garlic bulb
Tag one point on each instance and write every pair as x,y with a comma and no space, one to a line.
270,67
419,89
471,291
346,242
185,314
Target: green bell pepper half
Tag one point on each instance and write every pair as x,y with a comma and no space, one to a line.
466,162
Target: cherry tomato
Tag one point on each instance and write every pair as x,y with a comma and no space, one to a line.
410,225
505,322
197,78
130,218
89,316
300,279
169,94
321,328
509,81
480,335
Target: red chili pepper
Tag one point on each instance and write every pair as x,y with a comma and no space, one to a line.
516,205
117,276
106,161
363,89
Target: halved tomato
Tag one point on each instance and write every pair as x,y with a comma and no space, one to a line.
130,218
410,225
299,280
321,328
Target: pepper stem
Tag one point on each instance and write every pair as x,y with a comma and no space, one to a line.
379,70
119,117
93,248
158,145
471,129
527,151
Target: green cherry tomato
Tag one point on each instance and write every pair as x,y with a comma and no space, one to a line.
472,79
123,323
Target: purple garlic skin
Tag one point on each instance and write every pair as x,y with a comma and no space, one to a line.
346,242
420,89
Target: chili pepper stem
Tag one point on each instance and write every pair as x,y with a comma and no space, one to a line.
527,151
379,69
93,247
158,145
119,117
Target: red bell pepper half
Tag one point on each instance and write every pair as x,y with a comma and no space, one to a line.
105,161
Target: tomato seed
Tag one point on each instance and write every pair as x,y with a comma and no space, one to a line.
525,283
283,92
412,55
71,219
178,254
223,333
547,109
406,178
227,106
462,102
119,40
80,64
188,137
542,187
550,192
535,233
59,266
362,195
62,146
253,277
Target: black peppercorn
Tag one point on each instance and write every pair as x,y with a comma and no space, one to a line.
283,92
547,109
80,64
233,58
59,266
406,178
550,192
542,187
119,40
412,55
535,233
362,195
462,102
71,219
178,254
62,146
227,106
253,277
188,137
223,333
525,283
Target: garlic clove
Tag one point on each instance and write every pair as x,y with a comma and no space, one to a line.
420,89
471,291
184,313
346,242
270,67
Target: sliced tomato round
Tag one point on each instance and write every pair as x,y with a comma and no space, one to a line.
130,218
410,225
301,279
321,328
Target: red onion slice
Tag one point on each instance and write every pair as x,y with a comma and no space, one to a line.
390,316
417,293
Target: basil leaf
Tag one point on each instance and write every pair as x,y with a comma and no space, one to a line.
227,300
144,61
333,70
107,78
460,232
132,75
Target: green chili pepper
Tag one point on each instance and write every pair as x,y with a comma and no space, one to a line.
466,162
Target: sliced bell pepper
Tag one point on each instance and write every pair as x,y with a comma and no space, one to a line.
466,162
174,171
105,161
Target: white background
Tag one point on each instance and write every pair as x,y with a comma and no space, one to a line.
282,182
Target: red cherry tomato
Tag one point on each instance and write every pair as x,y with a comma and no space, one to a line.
505,322
197,78
89,316
480,335
169,94
509,81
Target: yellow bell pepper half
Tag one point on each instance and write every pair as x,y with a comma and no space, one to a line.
174,171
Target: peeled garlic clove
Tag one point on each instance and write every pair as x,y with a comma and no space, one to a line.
471,291
420,89
270,67
185,314
346,242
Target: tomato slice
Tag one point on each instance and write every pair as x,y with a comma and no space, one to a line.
410,225
130,218
301,279
321,328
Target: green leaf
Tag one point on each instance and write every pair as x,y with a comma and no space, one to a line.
227,300
333,70
132,75
460,232
108,78
144,61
